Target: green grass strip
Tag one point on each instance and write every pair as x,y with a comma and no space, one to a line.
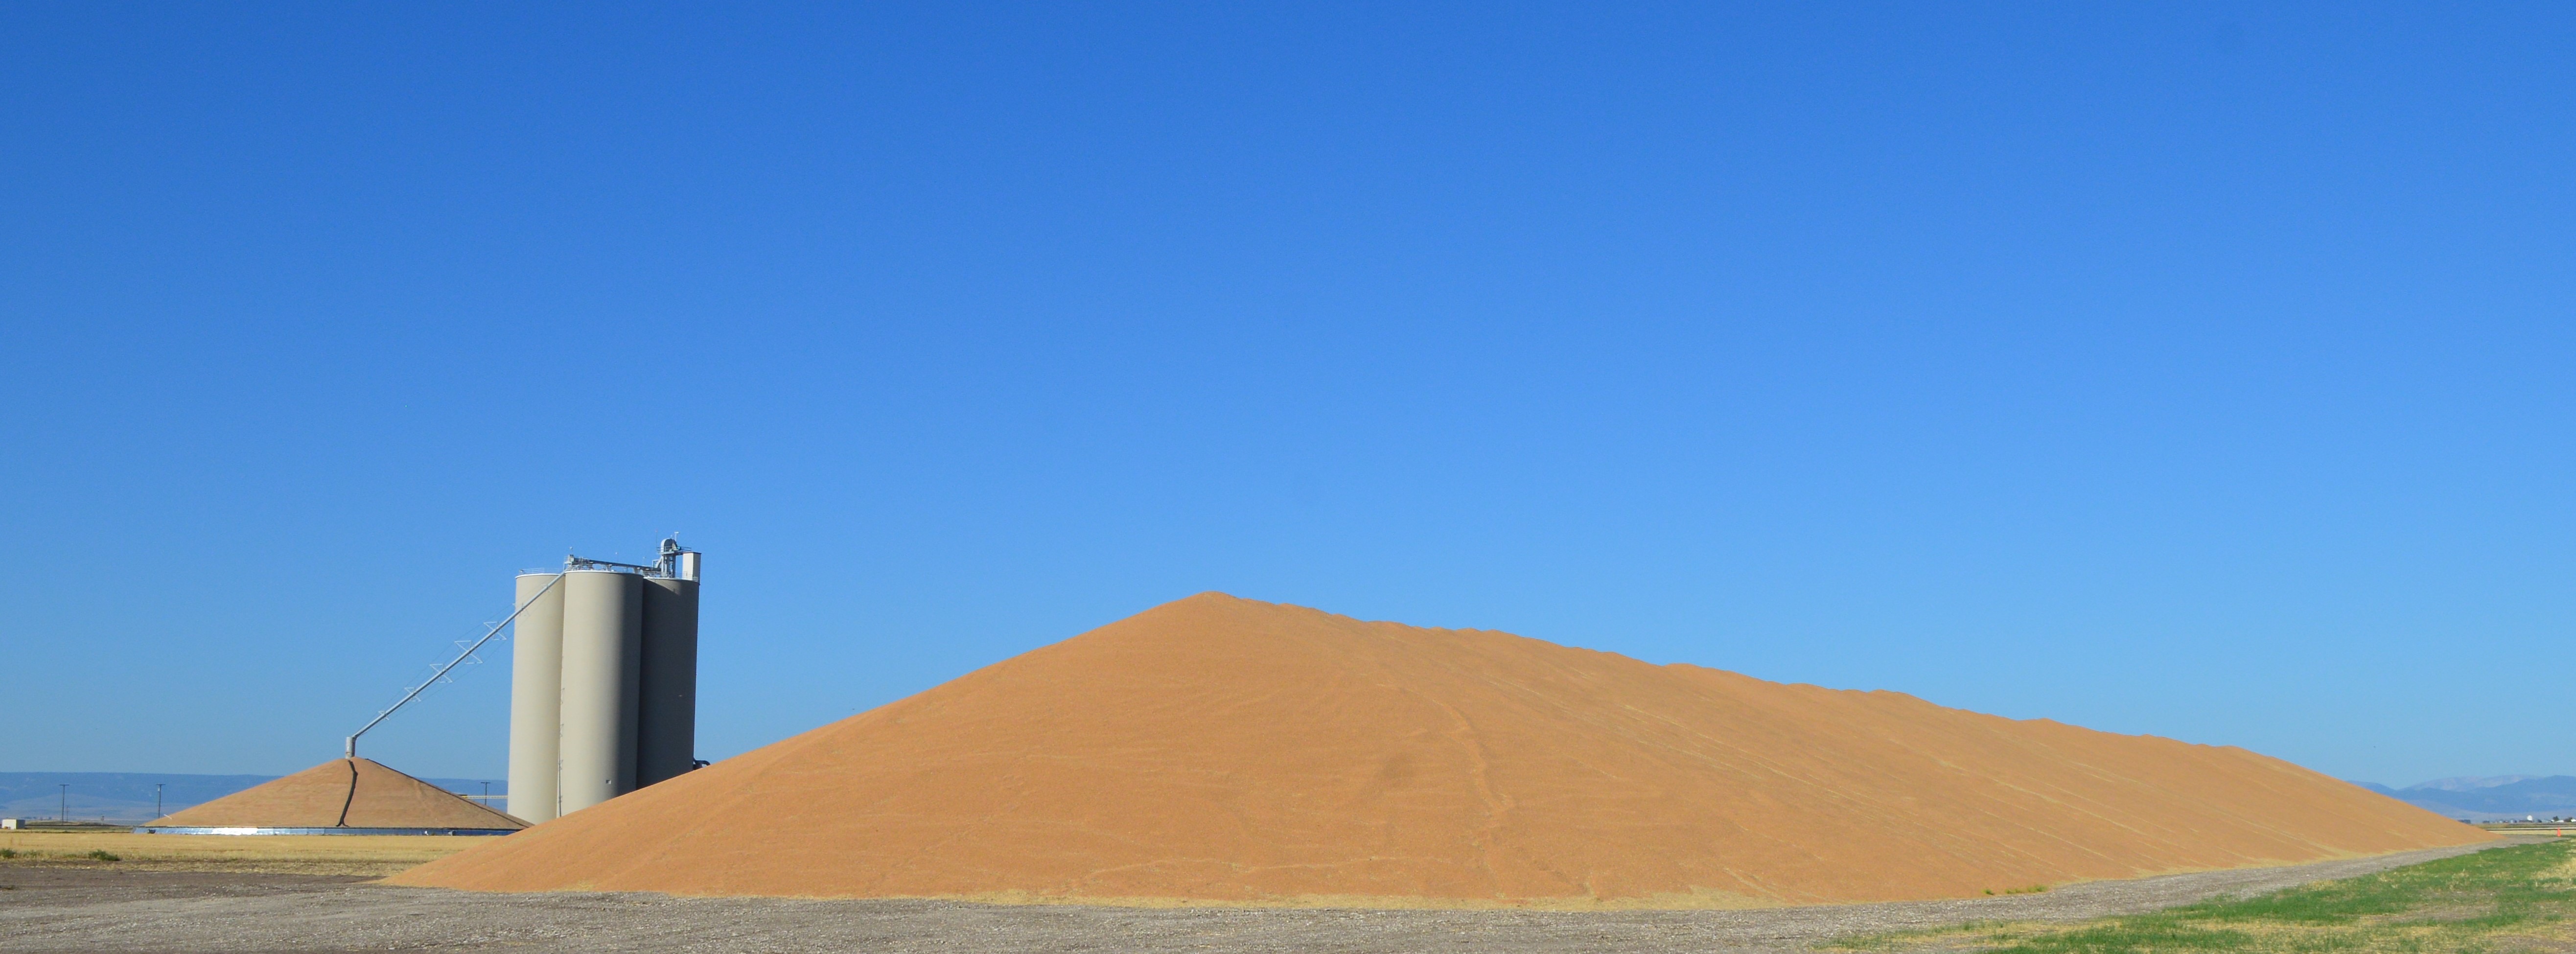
2521,898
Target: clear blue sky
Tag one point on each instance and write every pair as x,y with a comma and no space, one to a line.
2197,371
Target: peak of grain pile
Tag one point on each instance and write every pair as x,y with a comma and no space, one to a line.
342,793
1220,750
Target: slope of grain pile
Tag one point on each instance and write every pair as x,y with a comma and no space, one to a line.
1220,750
342,793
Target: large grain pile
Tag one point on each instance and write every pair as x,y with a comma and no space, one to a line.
1220,750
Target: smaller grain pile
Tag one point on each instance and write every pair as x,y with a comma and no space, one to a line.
351,796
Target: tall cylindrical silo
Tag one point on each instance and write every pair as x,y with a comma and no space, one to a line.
603,634
536,696
666,734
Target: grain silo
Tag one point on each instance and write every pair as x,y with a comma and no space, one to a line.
603,694
536,695
666,714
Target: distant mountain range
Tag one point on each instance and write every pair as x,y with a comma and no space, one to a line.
127,796
2494,798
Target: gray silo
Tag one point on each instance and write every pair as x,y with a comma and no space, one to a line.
618,709
536,696
603,638
666,728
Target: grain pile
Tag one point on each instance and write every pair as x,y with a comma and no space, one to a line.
1219,750
342,793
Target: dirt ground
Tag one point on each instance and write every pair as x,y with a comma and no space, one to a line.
67,907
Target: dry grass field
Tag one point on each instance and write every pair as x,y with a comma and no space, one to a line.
369,855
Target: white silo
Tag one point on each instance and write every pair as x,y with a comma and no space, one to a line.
603,633
536,696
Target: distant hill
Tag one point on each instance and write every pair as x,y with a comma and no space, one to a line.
2471,783
2494,798
127,796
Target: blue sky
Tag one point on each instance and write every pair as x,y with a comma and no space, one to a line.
2188,370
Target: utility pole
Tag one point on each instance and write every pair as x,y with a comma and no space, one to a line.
65,812
156,801
487,793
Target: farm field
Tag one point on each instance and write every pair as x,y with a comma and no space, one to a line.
76,907
2521,898
362,855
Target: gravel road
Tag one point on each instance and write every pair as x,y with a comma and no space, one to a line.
68,909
